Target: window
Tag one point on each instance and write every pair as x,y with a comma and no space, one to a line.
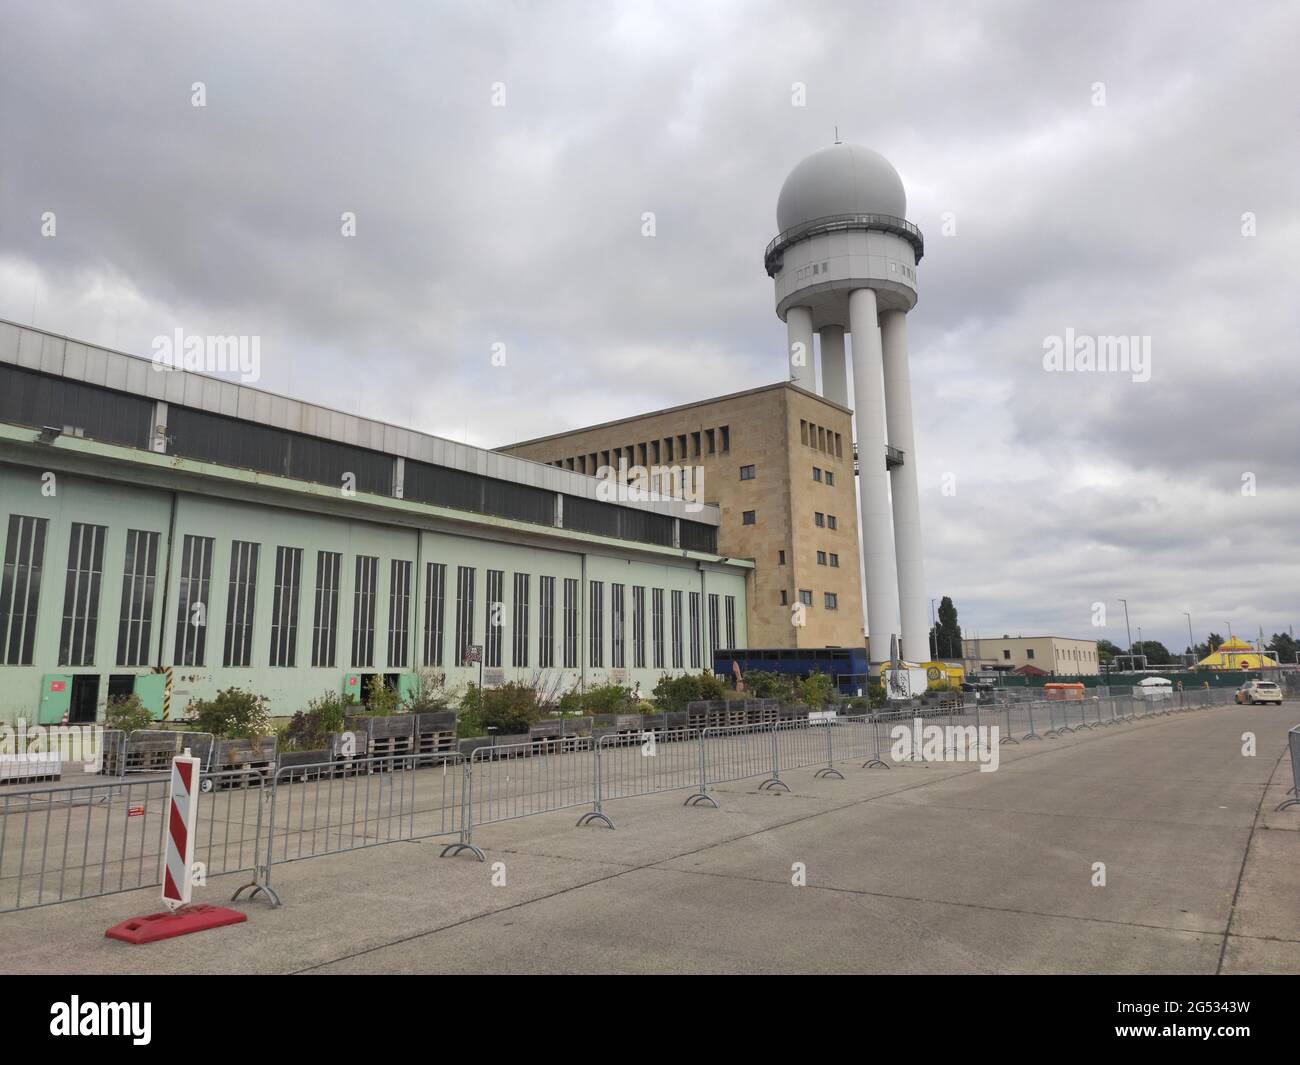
748,517
780,558
839,449
746,473
519,647
546,623
817,473
713,628
695,629
785,599
596,644
81,595
821,558
835,560
435,601
832,522
496,580
466,578
616,648
819,519
725,433
731,620
831,601
570,623
830,479
803,432
284,607
638,628
710,442
657,625
695,444
676,623
399,613
1029,652
325,614
805,596
192,601
1006,654
363,611
139,571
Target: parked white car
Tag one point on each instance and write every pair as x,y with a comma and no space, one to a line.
1259,691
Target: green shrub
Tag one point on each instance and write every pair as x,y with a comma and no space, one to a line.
673,693
603,699
127,713
763,685
430,693
233,715
310,729
508,710
816,690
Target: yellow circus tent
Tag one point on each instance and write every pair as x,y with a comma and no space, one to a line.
1237,654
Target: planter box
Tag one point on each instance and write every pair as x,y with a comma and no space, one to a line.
305,765
385,736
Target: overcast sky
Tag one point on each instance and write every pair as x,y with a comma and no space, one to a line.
1096,161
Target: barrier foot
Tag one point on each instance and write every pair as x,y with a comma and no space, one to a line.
453,849
1051,734
594,815
828,771
253,888
1008,739
699,797
1032,736
773,782
873,763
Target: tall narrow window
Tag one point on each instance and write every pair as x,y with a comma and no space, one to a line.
638,627
617,653
81,595
714,630
325,614
496,580
20,589
363,612
675,620
399,613
435,600
657,625
192,601
241,599
284,607
465,581
546,623
597,622
570,623
731,621
135,622
519,645
695,630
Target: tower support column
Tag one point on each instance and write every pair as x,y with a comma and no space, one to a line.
835,380
873,479
904,491
799,351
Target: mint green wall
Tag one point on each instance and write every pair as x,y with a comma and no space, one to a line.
121,506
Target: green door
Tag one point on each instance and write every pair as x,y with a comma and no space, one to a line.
408,687
151,687
56,698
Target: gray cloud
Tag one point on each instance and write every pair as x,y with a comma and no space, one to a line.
521,225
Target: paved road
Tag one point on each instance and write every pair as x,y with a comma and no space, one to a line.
926,869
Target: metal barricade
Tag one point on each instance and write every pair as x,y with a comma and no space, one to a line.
661,761
521,779
82,841
731,752
1293,741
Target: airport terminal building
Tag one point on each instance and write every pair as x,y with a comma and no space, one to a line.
175,534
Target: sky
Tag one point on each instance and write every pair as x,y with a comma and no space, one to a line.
1109,169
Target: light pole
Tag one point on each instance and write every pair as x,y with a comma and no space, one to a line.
1191,642
1127,630
934,635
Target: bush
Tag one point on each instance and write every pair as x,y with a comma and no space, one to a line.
430,693
604,699
816,690
508,710
764,685
127,713
673,693
233,715
310,729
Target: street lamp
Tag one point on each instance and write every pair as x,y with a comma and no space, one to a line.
934,635
1191,641
1127,630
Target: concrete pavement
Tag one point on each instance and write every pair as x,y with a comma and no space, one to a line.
925,869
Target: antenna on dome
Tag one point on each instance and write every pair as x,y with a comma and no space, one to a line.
837,134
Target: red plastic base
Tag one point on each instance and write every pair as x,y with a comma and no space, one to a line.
180,922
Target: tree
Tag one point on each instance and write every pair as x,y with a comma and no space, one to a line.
1157,654
1215,641
1284,646
945,637
1106,651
